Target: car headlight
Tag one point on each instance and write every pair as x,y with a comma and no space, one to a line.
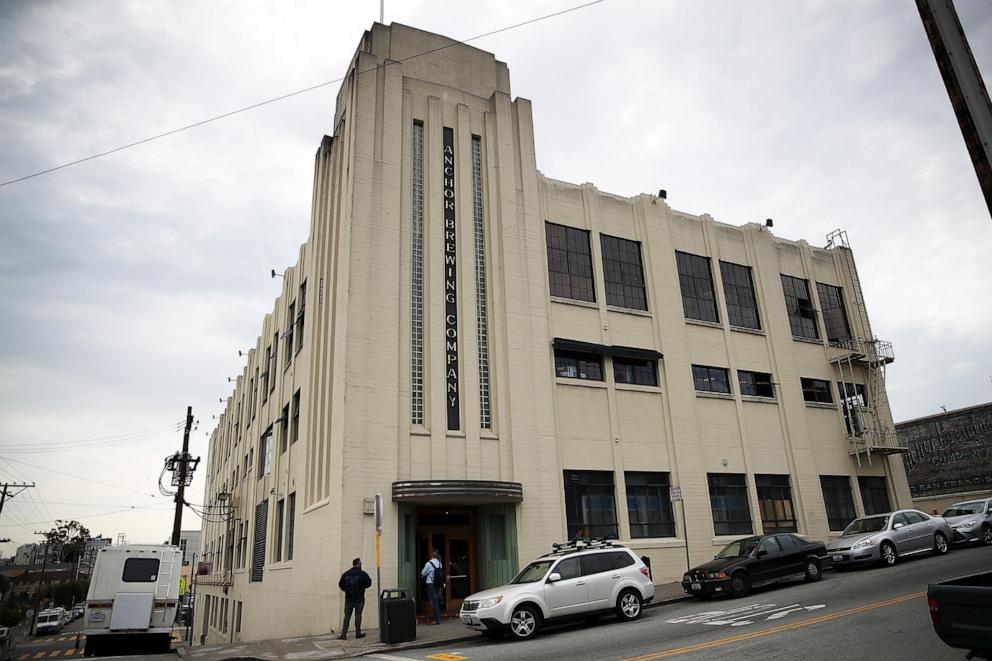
490,602
970,523
863,543
716,575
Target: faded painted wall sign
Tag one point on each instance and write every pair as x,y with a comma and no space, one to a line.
949,453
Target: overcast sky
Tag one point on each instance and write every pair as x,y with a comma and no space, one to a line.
129,282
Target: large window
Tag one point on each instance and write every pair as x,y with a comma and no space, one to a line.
301,316
590,509
290,317
622,273
853,400
775,503
266,373
816,390
576,365
834,315
637,372
265,452
696,281
258,543
728,501
291,522
280,525
874,494
710,379
838,500
417,279
140,570
802,314
273,362
569,262
756,384
284,429
294,429
738,288
648,505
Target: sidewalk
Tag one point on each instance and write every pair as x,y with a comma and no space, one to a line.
327,646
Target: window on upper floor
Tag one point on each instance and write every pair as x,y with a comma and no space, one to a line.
301,316
738,289
635,372
266,373
756,384
274,361
284,429
816,390
802,314
854,400
623,275
569,262
294,430
696,282
711,379
576,365
834,314
290,317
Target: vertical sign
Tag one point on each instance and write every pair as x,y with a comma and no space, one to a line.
450,282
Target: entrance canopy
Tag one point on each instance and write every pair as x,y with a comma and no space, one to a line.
466,492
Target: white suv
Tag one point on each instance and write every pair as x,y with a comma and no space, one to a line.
577,580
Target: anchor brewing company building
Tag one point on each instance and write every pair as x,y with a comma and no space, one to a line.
512,361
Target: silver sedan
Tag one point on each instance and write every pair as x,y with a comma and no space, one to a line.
971,521
886,537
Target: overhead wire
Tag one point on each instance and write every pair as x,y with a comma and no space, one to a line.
288,95
90,443
85,479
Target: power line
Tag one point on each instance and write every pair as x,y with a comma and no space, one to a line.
291,94
80,477
94,441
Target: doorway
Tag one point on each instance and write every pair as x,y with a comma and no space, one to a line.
452,533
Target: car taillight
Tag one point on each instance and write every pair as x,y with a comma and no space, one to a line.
644,570
934,613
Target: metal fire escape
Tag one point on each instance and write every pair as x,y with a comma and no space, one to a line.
867,415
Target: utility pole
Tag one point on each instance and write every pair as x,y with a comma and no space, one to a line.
6,493
182,475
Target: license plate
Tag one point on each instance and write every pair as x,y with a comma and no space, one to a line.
466,619
696,586
838,558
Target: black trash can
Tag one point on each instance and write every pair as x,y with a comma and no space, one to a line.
397,616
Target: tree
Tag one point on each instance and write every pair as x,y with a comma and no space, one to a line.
68,539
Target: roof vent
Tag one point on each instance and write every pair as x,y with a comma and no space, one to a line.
769,222
663,194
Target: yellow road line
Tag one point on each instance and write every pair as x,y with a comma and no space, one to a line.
55,653
445,656
69,652
767,632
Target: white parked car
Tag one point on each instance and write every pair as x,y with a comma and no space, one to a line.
575,581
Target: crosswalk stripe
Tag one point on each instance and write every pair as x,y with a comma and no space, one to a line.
38,655
69,652
22,657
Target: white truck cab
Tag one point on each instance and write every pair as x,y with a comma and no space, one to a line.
132,600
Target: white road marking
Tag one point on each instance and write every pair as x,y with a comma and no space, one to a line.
744,615
387,657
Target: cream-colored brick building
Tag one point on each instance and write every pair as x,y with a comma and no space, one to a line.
511,361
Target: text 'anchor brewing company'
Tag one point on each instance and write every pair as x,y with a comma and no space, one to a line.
450,282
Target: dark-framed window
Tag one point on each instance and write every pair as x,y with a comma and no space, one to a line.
291,523
294,430
266,373
738,289
756,384
729,504
290,318
854,400
284,430
834,314
569,262
590,507
280,526
301,316
140,570
274,362
696,282
775,503
648,505
623,275
258,543
816,390
802,314
874,494
577,365
633,371
711,379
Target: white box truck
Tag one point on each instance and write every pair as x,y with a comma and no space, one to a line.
131,604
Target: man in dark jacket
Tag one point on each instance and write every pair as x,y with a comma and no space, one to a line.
354,583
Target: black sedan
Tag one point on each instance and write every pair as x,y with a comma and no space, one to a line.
754,561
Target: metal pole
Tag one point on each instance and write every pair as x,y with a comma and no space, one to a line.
177,521
685,531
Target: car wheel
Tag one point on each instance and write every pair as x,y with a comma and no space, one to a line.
887,552
629,605
740,584
939,544
813,572
987,534
524,622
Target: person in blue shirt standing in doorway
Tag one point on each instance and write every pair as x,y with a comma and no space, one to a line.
433,573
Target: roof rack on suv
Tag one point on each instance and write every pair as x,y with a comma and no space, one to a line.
574,545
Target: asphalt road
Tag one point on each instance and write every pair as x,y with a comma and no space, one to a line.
51,645
877,613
